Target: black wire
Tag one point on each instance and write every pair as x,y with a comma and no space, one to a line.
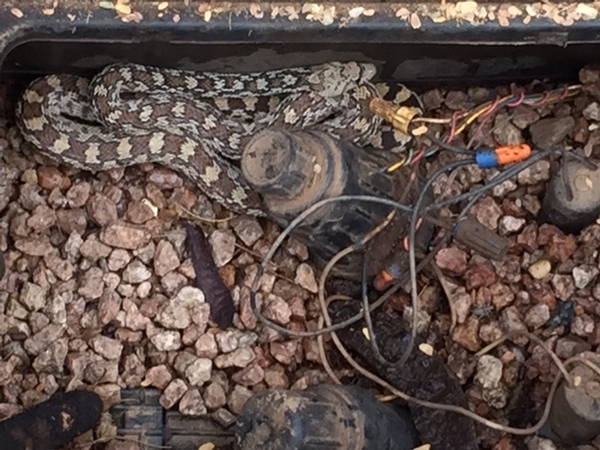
445,146
476,194
411,251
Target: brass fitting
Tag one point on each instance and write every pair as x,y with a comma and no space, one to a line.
399,116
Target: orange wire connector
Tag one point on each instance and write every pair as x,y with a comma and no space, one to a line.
487,159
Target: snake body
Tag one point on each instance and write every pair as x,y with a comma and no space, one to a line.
131,114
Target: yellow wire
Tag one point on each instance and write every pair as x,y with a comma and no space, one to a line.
397,165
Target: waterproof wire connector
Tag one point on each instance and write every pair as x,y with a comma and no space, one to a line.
489,159
399,116
478,237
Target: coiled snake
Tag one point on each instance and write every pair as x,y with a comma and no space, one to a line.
194,123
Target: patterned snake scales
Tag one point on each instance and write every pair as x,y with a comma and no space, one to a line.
188,121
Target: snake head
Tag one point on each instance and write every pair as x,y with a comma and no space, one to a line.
336,78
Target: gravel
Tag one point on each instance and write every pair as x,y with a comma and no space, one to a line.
100,291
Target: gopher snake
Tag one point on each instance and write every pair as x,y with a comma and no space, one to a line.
130,114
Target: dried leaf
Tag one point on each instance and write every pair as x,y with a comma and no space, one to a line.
256,11
415,22
16,12
106,5
355,13
426,348
208,279
207,446
466,7
135,17
122,8
587,11
403,12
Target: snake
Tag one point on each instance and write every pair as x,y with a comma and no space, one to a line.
193,122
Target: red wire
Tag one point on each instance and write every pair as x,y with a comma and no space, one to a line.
452,127
518,101
564,94
418,156
491,109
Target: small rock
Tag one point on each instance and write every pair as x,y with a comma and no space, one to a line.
248,229
190,296
36,343
275,377
33,296
537,316
582,325
276,309
467,335
134,320
164,178
305,277
546,133
560,247
102,210
62,268
118,259
505,132
570,346
215,396
249,376
489,376
206,346
510,320
165,259
79,194
92,284
461,301
199,372
534,174
34,246
222,243
71,220
93,249
238,358
540,269
109,348
42,219
136,272
125,236
563,286
230,340
50,177
524,116
592,111
139,212
192,404
158,377
238,398
166,341
133,371
479,274
173,393
510,224
583,275
538,443
175,315
52,358
487,212
452,260
296,248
